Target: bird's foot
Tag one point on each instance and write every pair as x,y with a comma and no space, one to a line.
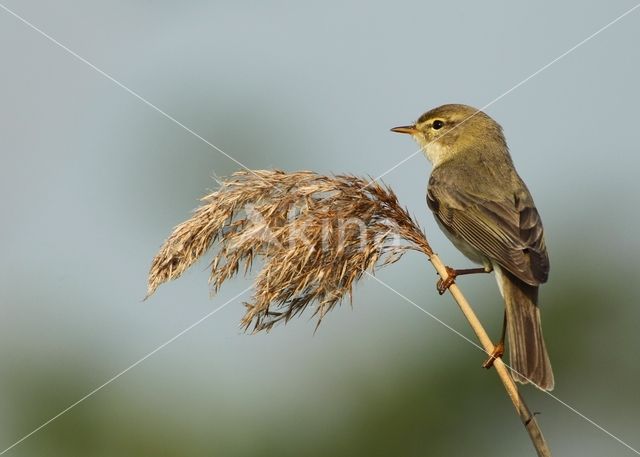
444,283
497,352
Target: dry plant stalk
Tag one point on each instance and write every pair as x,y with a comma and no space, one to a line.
316,236
528,419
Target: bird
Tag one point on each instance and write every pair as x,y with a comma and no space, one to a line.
485,209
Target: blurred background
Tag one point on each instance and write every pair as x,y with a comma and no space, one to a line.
93,180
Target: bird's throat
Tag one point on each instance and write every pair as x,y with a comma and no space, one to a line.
436,152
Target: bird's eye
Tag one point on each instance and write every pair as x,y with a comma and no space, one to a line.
437,124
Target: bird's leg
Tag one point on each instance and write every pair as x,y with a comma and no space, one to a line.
444,283
498,349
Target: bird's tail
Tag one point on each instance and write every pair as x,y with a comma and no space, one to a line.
527,352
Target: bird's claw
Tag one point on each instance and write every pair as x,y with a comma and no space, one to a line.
443,284
497,352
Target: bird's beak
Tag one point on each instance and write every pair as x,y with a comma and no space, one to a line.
410,129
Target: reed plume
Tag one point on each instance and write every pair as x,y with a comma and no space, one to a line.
316,236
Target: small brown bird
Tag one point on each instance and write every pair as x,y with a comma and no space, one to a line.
485,209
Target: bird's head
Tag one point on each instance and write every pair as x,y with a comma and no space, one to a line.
449,130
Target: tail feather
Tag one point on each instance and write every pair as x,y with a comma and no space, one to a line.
527,352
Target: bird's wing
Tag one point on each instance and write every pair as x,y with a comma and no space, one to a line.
508,231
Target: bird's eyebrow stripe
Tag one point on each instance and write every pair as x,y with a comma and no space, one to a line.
422,119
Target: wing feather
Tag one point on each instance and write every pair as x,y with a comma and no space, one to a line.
506,229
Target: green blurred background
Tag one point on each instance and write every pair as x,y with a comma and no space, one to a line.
93,180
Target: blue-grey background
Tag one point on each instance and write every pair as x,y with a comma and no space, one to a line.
92,181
